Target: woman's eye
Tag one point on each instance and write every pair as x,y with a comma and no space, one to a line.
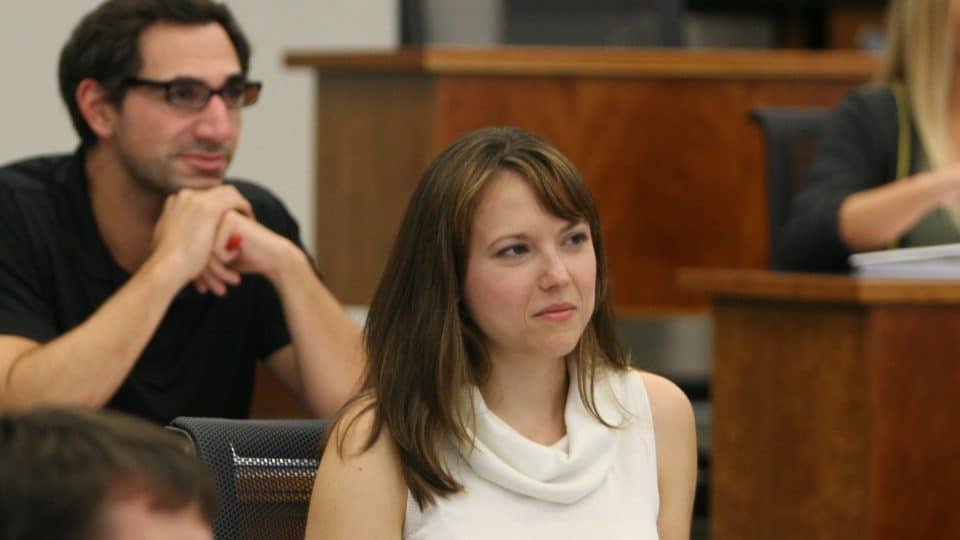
578,238
512,251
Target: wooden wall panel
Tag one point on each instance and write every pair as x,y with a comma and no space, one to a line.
916,377
791,439
835,402
271,399
374,139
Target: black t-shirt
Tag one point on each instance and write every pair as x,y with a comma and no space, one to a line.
55,271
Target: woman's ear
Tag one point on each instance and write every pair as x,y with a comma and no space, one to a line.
97,108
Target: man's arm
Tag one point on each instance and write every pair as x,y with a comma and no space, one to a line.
88,364
326,351
325,360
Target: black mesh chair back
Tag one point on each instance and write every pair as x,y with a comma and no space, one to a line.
264,471
790,136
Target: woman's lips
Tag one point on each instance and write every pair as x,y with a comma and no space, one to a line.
556,312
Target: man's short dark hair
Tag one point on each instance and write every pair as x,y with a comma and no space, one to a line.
105,45
60,469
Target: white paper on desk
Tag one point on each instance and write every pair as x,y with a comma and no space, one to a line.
941,261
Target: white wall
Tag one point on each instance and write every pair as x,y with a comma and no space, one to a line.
277,143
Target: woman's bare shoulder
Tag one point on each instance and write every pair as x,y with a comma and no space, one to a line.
358,472
352,432
667,400
676,442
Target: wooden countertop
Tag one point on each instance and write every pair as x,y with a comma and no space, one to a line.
600,62
770,285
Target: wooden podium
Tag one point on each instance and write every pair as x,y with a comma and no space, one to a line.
836,406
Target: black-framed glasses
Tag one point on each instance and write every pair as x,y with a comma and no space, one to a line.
194,94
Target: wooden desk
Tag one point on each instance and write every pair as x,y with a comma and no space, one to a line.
661,136
835,406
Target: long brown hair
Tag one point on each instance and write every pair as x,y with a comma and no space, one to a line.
422,346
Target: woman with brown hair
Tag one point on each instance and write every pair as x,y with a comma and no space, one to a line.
497,401
886,170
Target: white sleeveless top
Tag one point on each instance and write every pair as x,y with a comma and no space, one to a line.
594,483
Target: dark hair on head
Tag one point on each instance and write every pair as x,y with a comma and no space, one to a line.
105,45
60,468
422,346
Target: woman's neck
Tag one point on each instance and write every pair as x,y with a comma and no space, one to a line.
530,395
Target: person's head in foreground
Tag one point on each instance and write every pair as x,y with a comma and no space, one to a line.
80,474
495,376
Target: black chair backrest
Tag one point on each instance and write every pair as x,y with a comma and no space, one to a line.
264,472
790,136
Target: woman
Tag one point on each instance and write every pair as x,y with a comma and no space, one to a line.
906,128
498,402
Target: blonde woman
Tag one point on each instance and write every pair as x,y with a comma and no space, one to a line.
498,402
886,172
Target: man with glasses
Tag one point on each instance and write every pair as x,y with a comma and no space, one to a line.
132,274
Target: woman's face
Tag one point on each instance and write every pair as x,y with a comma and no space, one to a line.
531,276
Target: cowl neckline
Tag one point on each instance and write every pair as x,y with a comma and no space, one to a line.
563,472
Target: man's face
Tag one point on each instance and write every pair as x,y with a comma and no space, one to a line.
133,518
164,148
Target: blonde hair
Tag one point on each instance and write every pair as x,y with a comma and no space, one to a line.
423,347
919,56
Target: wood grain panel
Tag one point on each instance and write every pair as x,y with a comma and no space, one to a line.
606,62
791,422
832,288
374,139
835,403
916,376
271,399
